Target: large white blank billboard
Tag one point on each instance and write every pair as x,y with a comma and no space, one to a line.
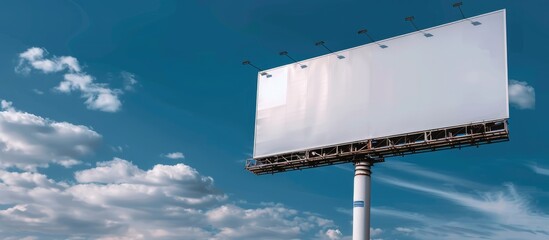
457,76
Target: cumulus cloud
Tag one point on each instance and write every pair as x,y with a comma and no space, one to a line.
34,58
118,200
174,155
268,222
522,95
7,106
98,95
28,141
333,234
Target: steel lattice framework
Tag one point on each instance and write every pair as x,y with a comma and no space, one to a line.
379,148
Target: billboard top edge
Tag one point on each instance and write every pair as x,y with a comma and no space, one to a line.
387,39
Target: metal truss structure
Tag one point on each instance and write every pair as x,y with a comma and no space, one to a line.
379,148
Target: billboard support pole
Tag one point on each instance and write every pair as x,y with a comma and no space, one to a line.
361,199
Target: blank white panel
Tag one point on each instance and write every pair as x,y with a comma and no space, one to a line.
458,76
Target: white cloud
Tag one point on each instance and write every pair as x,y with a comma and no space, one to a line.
98,96
375,232
345,211
174,155
35,57
7,106
504,214
539,170
118,200
522,95
117,149
423,227
38,91
333,234
117,170
28,141
495,203
418,171
129,80
67,163
404,230
399,214
268,222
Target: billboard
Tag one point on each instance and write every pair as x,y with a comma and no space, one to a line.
457,76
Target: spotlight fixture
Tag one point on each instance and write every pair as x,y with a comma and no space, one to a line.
321,43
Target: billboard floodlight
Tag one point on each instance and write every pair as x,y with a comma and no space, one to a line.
285,53
247,62
458,5
321,43
365,32
411,20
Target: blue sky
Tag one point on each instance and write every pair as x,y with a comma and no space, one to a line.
133,119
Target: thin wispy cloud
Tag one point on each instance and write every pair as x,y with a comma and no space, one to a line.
117,149
129,79
98,96
497,203
422,172
418,226
400,214
345,167
522,95
174,155
404,230
507,213
345,211
539,170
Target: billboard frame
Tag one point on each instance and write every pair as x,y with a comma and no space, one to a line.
292,150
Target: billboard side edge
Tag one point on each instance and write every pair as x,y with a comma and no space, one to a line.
505,55
255,119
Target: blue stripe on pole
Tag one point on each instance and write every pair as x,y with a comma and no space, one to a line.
358,204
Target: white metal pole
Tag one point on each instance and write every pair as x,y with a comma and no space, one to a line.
361,201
